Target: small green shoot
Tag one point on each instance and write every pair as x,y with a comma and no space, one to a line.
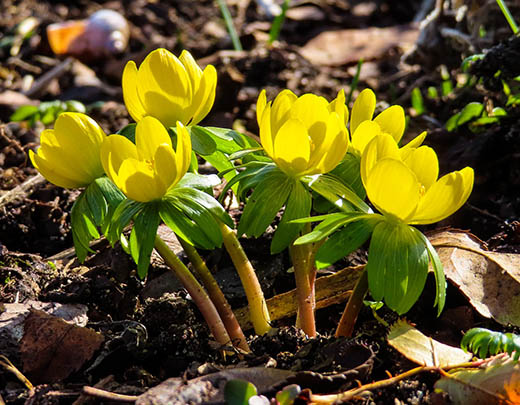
484,342
509,17
46,112
276,27
418,101
355,80
238,392
229,25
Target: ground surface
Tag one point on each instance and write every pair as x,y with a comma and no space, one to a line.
152,331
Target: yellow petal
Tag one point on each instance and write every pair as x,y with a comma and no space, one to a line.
130,96
79,137
365,132
338,105
139,182
165,166
280,109
182,152
330,153
164,87
194,71
392,121
424,163
445,197
266,134
417,141
149,134
52,173
204,96
363,109
260,106
382,146
114,151
393,188
313,112
292,147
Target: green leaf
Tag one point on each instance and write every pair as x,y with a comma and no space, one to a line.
252,174
238,392
397,265
97,204
128,132
347,240
75,106
348,171
262,206
83,227
438,271
451,124
183,226
201,143
121,218
417,101
338,193
142,238
24,112
203,211
298,206
204,182
470,111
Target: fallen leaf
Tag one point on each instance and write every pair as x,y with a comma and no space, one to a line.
423,350
490,280
495,382
209,389
343,47
52,349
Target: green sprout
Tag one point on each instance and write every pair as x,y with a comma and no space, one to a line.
46,112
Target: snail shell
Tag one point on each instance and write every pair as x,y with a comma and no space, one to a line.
104,33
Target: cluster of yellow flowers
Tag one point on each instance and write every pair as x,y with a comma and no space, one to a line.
303,135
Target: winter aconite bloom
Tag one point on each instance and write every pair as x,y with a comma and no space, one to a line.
146,170
303,135
403,182
363,128
69,153
168,88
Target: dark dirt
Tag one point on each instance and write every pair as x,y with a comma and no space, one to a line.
152,331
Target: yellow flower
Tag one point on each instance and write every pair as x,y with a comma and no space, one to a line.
303,135
168,88
363,128
69,153
403,182
147,170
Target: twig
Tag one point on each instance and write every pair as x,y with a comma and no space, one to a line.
22,190
44,80
109,396
6,363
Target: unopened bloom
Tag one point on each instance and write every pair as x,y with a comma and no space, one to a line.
303,135
363,128
403,183
69,153
146,170
168,88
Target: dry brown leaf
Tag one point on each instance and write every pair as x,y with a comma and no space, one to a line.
52,349
422,349
490,280
496,382
343,47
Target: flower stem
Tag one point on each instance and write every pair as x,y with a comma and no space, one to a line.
353,307
217,297
259,313
300,256
197,293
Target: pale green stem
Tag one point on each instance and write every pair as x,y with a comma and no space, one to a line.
258,311
353,307
217,297
300,256
197,293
